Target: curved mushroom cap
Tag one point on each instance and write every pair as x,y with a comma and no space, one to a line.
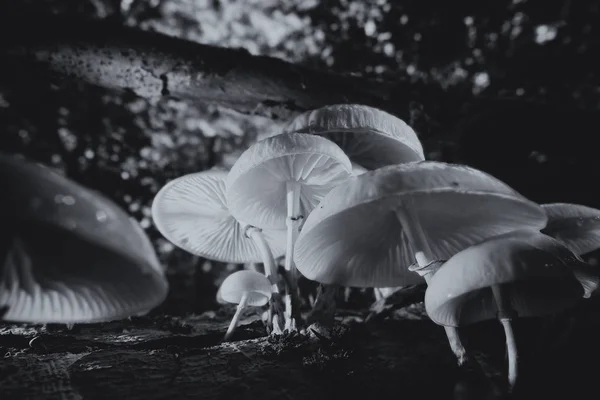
369,136
577,226
256,184
354,238
192,213
72,255
255,284
537,270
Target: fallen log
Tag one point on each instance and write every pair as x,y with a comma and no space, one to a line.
110,55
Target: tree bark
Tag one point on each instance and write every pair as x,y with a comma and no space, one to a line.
166,357
152,65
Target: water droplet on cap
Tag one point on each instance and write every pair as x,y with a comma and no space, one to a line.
101,216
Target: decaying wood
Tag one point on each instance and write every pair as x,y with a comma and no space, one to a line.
166,357
153,65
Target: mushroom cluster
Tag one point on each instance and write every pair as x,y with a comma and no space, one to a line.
361,207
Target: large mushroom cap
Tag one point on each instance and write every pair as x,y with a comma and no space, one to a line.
192,213
354,237
70,254
577,226
538,269
255,284
256,184
370,137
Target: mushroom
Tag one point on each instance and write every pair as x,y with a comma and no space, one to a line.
519,274
192,213
72,255
244,288
370,137
369,229
279,180
577,226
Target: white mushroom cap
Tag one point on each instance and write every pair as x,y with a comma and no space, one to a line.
354,238
256,184
255,284
539,271
370,137
192,213
73,256
577,226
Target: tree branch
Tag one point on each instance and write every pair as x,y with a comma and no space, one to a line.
152,65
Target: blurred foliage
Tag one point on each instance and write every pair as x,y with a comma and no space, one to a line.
127,148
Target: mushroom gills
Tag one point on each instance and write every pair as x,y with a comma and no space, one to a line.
89,286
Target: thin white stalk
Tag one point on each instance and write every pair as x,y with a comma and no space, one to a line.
276,318
236,317
293,221
418,240
505,313
267,256
293,228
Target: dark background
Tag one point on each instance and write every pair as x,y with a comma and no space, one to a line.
510,87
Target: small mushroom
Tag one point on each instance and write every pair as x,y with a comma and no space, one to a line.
518,274
71,255
369,229
244,288
370,137
577,226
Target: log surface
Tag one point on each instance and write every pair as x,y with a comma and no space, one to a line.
153,65
168,357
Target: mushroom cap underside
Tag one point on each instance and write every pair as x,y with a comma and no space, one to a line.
192,213
535,271
370,137
50,275
355,237
257,183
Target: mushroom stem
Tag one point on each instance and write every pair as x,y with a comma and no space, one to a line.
236,316
267,256
505,314
293,221
513,356
291,299
412,227
276,317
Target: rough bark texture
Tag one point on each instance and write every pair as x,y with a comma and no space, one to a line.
152,65
164,358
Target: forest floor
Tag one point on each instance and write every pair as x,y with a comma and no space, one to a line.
403,354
